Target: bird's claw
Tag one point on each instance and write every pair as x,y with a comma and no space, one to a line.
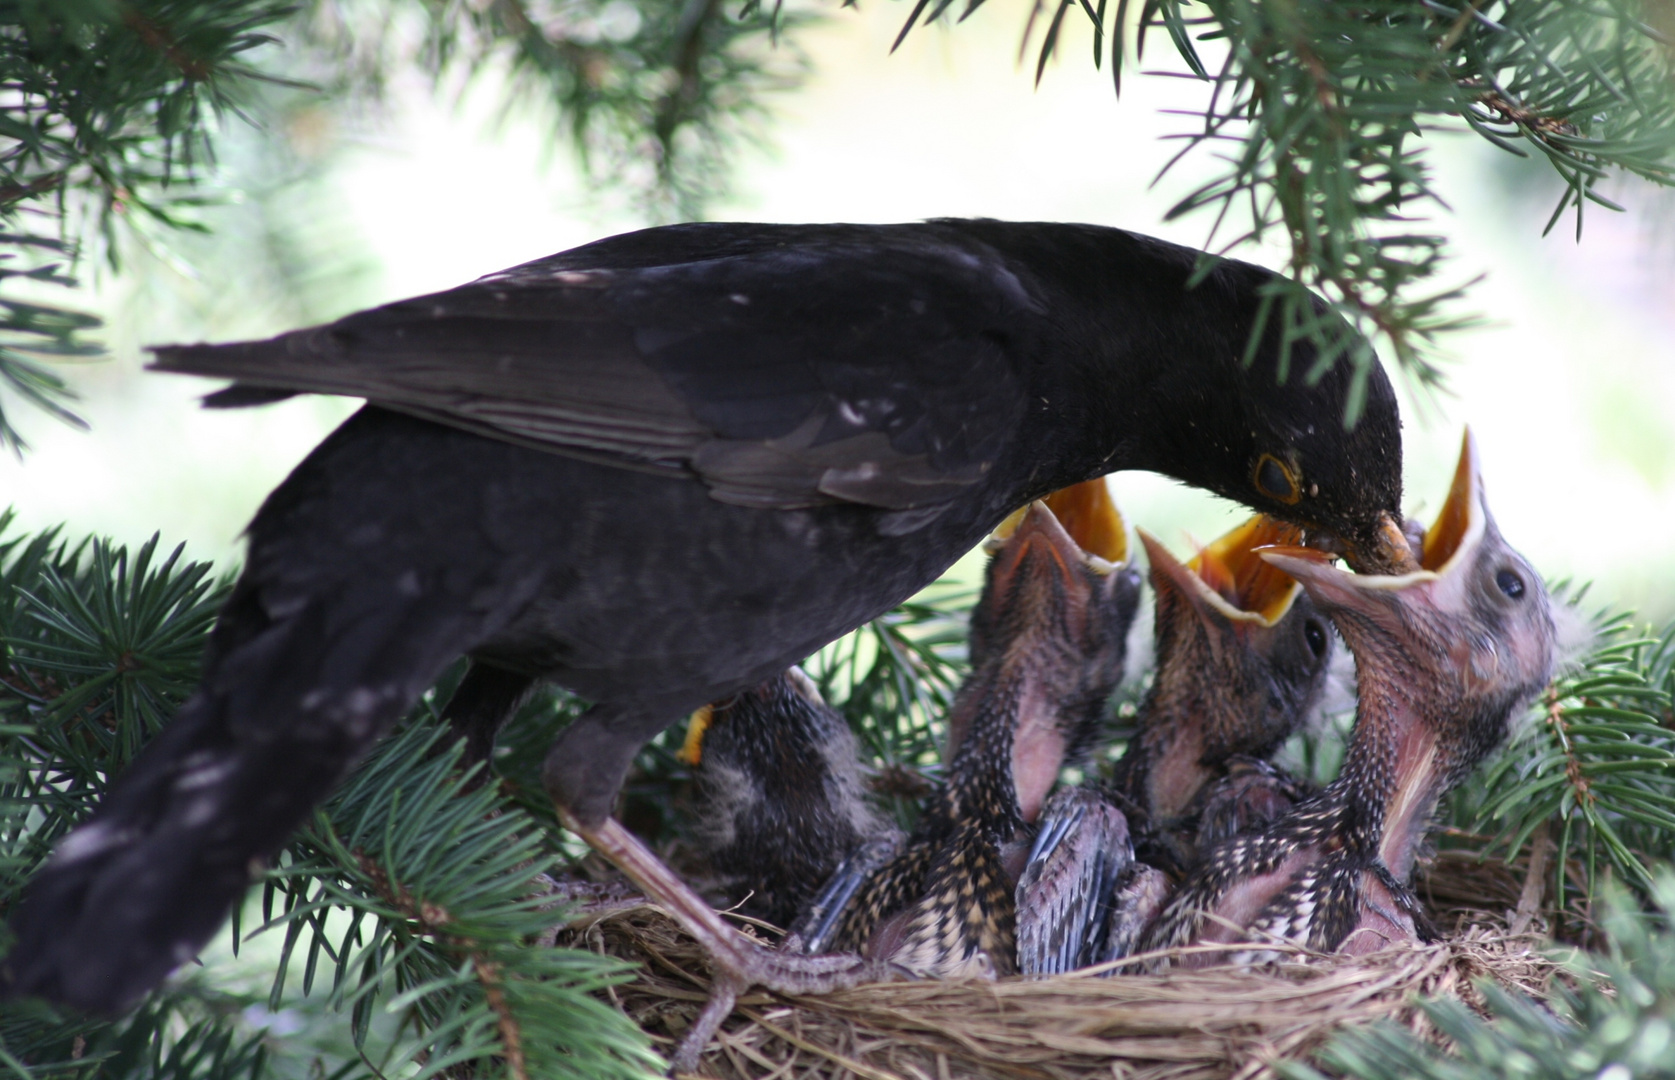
737,962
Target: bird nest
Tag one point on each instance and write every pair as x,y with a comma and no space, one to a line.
1186,1025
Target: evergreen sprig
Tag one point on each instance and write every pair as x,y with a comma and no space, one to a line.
442,888
1615,1022
424,901
1319,112
1595,771
107,116
655,97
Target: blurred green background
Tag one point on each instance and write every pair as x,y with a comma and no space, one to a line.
337,205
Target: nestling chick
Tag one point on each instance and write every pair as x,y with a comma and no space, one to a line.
1445,658
1241,656
781,799
1050,639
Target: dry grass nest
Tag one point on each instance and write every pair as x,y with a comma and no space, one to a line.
1220,1022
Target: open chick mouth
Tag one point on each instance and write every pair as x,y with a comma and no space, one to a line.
1089,515
1231,569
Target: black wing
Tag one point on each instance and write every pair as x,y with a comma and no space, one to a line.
784,366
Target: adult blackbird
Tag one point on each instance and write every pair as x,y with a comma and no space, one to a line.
658,469
1445,657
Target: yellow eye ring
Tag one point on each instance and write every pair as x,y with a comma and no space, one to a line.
1274,478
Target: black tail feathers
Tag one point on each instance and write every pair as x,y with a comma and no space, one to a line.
285,709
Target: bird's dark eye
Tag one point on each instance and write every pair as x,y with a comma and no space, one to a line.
1273,478
1315,635
1510,583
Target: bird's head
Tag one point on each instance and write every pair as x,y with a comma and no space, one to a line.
1272,433
1082,529
1459,644
1242,654
1049,634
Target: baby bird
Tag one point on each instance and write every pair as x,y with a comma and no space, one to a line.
781,797
1049,640
1241,658
1242,655
1445,657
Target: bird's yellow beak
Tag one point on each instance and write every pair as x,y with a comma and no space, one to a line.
691,751
1457,531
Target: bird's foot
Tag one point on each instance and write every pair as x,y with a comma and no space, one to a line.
736,962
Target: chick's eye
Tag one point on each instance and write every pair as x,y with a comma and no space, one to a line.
1510,583
1273,478
1315,635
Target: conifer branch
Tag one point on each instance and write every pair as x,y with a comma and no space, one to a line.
412,894
1317,112
1596,771
107,117
1610,1020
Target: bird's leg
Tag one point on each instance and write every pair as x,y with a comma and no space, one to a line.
724,994
736,962
582,773
587,763
482,703
729,950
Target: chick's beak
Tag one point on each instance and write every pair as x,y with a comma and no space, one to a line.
691,752
1449,544
1172,578
1461,521
1229,565
1090,517
1226,578
1037,550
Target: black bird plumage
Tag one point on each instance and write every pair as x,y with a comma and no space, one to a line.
658,469
781,797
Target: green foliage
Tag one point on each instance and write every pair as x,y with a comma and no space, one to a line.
1596,770
107,118
98,651
1617,1022
655,96
410,916
202,1046
1319,111
440,886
